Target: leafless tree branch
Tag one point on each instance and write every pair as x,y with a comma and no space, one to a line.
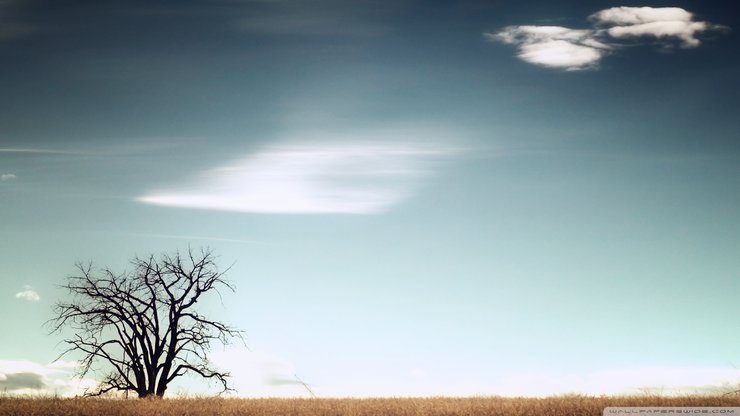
142,324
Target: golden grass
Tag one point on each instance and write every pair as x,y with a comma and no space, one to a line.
433,406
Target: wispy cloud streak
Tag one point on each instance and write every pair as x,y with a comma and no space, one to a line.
359,178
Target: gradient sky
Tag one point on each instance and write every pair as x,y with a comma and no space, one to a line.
469,197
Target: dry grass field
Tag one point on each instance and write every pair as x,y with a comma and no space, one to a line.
435,406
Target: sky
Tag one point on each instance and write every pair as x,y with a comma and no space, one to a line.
416,198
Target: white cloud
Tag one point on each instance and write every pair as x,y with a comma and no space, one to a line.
560,54
348,178
28,294
574,49
7,177
662,23
639,15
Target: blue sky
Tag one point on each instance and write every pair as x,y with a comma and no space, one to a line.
457,198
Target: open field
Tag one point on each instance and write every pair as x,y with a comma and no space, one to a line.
552,406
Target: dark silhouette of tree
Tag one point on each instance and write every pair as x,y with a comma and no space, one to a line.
142,325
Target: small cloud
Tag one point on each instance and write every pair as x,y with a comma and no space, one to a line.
577,49
28,294
339,178
7,177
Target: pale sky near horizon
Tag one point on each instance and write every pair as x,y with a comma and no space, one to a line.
418,198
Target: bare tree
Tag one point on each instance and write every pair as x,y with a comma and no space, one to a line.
142,325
